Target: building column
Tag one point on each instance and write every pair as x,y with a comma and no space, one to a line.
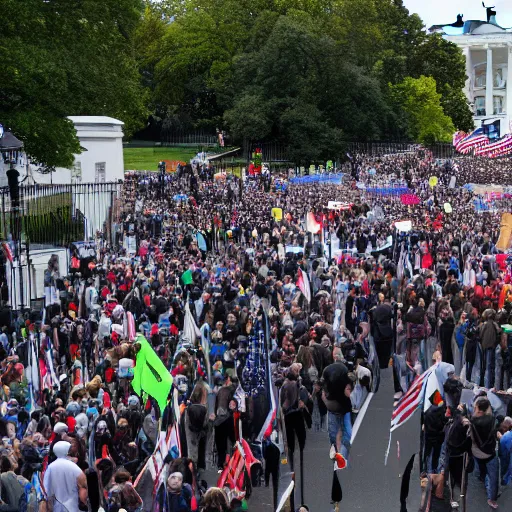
469,74
508,100
489,109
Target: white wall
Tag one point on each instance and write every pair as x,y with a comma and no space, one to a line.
39,263
102,139
109,151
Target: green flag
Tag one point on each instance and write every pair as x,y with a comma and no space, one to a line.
151,375
186,277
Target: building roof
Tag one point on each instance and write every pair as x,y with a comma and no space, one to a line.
9,142
95,120
469,27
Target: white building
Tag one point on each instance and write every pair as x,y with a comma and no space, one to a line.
488,51
101,160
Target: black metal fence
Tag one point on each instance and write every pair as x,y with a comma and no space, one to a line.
277,153
58,214
177,137
439,150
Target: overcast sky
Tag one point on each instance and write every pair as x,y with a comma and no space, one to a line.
439,12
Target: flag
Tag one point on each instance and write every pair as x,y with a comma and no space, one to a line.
406,481
186,277
303,284
6,249
190,330
409,403
201,242
432,394
475,139
150,374
312,225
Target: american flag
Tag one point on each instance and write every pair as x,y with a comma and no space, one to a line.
411,401
498,148
475,139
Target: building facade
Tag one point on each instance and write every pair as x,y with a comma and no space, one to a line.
487,48
101,160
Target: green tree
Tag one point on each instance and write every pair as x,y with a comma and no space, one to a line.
444,61
63,58
420,102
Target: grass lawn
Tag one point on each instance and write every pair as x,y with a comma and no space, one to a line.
146,159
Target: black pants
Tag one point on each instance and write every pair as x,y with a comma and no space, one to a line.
383,347
432,448
295,426
223,432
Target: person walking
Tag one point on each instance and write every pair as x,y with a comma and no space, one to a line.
65,484
484,437
382,317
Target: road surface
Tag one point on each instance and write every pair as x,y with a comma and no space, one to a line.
368,485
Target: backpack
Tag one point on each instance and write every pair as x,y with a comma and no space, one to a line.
196,416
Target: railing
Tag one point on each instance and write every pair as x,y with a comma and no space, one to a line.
57,215
177,137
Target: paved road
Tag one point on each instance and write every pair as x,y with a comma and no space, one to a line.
368,485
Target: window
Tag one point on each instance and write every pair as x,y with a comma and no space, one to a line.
480,106
499,81
480,76
498,104
100,172
76,172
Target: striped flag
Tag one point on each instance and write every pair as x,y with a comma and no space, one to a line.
475,139
410,403
498,148
303,284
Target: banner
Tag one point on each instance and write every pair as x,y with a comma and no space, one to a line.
339,205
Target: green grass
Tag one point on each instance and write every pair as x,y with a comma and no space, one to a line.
146,159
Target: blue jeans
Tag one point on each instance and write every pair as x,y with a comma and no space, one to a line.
343,422
505,453
491,471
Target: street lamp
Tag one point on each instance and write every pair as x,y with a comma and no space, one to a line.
9,148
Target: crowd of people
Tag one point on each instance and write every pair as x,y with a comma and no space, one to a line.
268,327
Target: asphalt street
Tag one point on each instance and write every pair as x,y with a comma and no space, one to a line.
368,485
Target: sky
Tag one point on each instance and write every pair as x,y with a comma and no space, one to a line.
439,12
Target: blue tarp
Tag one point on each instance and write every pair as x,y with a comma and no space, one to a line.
317,178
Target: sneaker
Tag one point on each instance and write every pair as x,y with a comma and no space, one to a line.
492,504
339,462
454,504
332,452
398,395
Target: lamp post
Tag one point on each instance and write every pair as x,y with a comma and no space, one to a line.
10,145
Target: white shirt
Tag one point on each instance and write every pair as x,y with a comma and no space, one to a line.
60,480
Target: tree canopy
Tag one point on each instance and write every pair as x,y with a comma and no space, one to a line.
67,57
420,102
307,73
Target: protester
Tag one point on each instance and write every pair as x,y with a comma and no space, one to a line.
65,483
243,313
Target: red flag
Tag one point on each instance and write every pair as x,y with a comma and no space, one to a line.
6,249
